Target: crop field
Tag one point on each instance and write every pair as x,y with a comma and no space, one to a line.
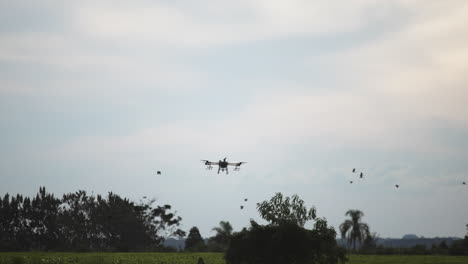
192,258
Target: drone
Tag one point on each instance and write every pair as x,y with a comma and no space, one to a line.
223,165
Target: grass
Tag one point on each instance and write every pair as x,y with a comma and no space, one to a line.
405,259
192,258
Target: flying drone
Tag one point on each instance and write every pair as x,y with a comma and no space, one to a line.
223,165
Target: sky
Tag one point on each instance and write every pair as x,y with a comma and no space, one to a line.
99,95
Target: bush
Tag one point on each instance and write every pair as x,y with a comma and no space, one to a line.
283,244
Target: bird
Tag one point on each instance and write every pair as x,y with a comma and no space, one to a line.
354,170
351,182
361,175
158,172
144,197
241,207
396,185
464,183
245,200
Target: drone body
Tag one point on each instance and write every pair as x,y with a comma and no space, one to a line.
223,165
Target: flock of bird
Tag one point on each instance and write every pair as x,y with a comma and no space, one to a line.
241,207
361,176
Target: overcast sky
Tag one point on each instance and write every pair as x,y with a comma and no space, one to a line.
99,95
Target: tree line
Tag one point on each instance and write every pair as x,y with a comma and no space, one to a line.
82,222
359,239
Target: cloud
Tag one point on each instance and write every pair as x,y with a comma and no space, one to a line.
418,72
122,88
222,22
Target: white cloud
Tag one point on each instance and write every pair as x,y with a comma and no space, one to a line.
226,22
419,72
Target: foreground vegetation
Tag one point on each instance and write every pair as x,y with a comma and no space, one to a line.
192,258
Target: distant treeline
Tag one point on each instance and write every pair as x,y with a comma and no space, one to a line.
422,246
82,222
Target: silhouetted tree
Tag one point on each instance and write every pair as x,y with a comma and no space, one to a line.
353,229
369,244
278,210
220,241
80,231
80,222
284,240
194,241
45,220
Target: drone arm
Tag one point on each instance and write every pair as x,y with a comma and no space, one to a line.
237,164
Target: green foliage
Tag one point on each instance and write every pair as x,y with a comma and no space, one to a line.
278,210
194,241
110,258
192,258
353,229
220,241
370,243
82,222
285,240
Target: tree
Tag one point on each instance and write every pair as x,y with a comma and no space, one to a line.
82,222
466,236
279,210
370,243
353,229
45,221
194,241
220,241
285,240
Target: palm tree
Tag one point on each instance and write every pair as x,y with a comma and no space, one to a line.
223,233
353,229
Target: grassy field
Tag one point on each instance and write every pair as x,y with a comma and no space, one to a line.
192,258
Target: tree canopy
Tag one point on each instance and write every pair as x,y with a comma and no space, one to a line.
353,229
220,241
285,240
82,222
194,241
281,209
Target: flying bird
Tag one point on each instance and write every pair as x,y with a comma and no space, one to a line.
245,200
396,185
464,183
351,182
241,207
158,172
